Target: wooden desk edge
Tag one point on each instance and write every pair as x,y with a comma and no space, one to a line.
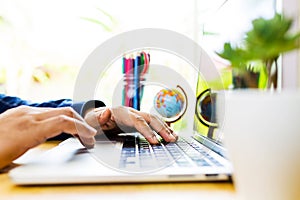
224,190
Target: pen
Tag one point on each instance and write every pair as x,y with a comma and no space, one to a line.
136,84
146,62
124,72
131,81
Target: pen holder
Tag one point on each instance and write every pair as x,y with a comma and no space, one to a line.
133,88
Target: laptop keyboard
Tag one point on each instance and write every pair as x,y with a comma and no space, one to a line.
138,153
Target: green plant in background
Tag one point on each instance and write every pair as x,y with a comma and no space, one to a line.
107,27
2,20
262,46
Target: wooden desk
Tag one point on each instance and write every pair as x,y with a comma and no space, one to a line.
155,191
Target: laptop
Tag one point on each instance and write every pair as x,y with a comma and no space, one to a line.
129,158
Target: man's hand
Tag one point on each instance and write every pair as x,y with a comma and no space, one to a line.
25,127
125,119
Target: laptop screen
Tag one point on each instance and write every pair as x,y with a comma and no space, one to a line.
205,122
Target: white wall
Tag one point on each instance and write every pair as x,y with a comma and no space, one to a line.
291,61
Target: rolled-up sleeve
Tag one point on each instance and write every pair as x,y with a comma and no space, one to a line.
8,102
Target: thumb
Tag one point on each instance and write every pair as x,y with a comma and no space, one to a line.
104,116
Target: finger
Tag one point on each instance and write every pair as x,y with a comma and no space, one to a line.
142,126
162,129
159,126
55,125
170,129
87,142
46,113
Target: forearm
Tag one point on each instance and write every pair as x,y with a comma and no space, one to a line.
9,151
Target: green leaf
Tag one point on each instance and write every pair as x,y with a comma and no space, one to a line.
267,39
236,56
104,26
111,18
112,22
1,20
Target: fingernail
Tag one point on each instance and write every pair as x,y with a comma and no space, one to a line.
175,135
154,140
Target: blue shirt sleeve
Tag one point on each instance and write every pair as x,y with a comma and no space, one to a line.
8,102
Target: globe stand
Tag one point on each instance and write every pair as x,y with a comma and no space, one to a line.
205,110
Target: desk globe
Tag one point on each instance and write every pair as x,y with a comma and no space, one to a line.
170,104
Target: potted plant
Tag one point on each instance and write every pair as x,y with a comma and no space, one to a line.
261,48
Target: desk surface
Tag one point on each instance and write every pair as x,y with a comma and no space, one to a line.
172,191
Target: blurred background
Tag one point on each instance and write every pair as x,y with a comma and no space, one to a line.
43,43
